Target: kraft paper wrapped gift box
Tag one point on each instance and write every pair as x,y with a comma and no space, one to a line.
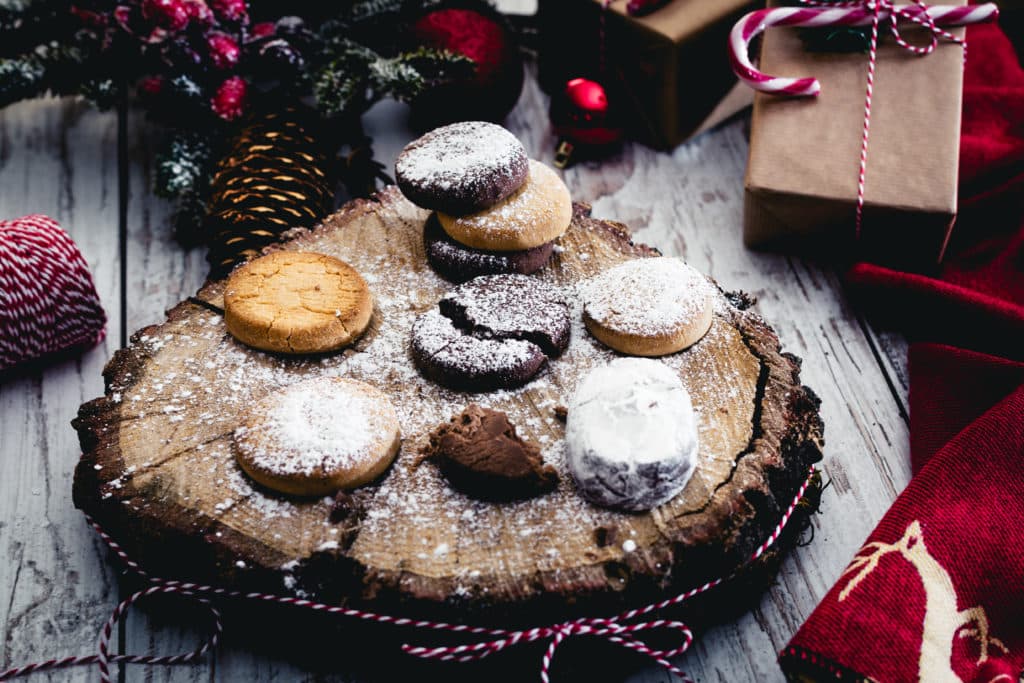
801,182
667,70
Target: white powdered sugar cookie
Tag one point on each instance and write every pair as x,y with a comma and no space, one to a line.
649,307
317,436
631,435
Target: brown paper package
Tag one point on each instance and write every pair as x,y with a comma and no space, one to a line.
669,70
801,183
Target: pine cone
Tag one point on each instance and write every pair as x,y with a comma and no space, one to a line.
274,178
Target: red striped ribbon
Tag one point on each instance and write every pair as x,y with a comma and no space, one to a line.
612,629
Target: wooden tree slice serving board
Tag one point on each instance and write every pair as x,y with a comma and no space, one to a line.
158,472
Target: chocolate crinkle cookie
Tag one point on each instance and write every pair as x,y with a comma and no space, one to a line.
493,332
458,263
480,454
462,168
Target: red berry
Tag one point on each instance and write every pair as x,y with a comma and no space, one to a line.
223,49
262,29
151,85
170,15
199,11
230,100
232,10
89,17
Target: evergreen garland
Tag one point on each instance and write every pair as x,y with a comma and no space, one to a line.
199,65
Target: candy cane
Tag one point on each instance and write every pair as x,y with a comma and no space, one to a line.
848,14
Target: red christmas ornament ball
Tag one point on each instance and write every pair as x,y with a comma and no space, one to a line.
230,99
582,115
493,89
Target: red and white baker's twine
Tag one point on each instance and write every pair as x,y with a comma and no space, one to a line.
816,13
611,629
48,302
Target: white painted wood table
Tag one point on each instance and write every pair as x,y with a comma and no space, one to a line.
92,171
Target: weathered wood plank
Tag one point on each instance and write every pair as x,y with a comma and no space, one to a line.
57,588
159,274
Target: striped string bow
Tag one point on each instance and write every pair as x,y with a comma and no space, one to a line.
873,13
621,629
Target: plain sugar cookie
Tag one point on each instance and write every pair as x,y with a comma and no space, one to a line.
318,436
538,212
631,435
649,307
297,302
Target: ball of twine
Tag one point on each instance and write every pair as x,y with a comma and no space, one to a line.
48,301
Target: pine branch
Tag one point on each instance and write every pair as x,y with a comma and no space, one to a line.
27,23
184,167
21,78
410,73
358,76
184,164
365,10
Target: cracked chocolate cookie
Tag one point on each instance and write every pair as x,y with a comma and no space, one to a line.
458,263
461,168
480,454
493,332
297,302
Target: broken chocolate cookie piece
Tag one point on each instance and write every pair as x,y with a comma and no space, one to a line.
480,454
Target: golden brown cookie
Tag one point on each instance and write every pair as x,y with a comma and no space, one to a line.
317,436
535,214
297,302
648,307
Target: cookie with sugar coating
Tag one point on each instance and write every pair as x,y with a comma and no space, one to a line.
649,307
297,302
537,213
631,435
317,436
462,167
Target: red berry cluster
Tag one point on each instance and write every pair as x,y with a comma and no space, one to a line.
195,47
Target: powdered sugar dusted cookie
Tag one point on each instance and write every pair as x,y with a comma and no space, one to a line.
493,332
459,359
461,168
511,306
631,435
649,307
317,436
537,213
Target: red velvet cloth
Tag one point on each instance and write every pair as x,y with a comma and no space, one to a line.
937,591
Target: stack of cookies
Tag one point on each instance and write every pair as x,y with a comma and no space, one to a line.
496,211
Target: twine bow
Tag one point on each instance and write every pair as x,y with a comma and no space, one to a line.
817,13
614,629
610,629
